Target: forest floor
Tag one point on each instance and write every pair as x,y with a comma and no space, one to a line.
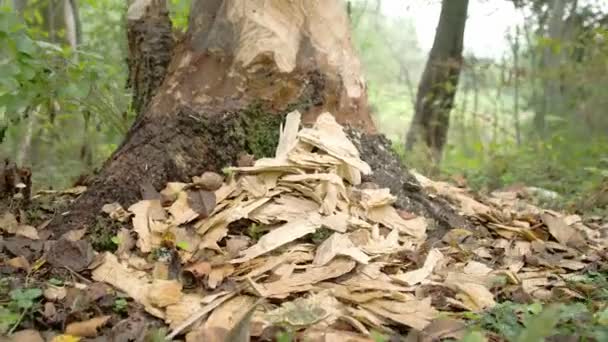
287,249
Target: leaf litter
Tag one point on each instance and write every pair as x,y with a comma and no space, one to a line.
297,240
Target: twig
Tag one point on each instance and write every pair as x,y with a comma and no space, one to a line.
77,275
199,314
10,332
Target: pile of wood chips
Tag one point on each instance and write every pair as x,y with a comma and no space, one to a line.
330,256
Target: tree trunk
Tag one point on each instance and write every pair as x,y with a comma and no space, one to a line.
240,66
552,101
439,81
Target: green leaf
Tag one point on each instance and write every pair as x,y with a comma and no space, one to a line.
474,336
24,298
540,326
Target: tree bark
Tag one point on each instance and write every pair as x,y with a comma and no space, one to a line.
552,101
240,66
439,81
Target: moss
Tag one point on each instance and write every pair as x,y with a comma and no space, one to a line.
261,131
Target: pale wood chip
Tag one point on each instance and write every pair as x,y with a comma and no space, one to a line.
300,282
419,275
286,233
388,216
335,245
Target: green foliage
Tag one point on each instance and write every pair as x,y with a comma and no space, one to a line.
69,103
262,131
179,11
285,336
320,235
20,302
120,305
535,322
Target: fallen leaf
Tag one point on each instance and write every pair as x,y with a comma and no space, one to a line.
163,293
75,235
28,335
414,313
54,293
27,232
202,202
116,212
19,263
112,272
562,232
87,328
65,338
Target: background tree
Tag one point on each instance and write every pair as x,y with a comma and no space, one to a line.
439,82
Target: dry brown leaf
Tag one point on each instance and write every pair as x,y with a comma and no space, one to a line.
443,328
19,263
286,233
75,235
28,335
54,293
419,275
163,293
146,239
388,216
477,268
27,232
338,244
562,232
116,212
112,272
8,223
415,313
87,328
302,281
218,274
181,210
475,297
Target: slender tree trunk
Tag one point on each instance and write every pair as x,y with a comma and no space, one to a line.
240,66
439,81
515,49
552,101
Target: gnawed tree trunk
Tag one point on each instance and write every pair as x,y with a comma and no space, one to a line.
241,65
439,81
